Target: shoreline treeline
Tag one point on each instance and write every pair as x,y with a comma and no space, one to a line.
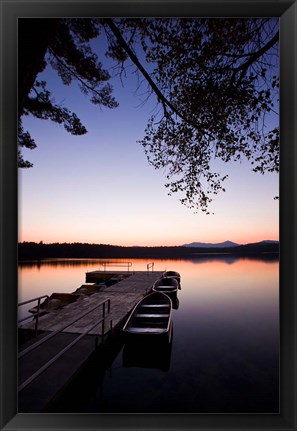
33,250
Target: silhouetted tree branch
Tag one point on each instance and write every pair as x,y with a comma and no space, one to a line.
215,79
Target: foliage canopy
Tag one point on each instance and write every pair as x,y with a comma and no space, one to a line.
215,81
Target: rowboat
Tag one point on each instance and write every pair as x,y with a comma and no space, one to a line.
166,285
150,319
172,274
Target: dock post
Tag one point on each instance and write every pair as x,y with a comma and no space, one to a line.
103,323
37,317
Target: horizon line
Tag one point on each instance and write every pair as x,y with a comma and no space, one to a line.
147,246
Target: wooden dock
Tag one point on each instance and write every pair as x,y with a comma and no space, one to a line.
37,392
123,296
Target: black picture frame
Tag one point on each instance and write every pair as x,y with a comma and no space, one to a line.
287,12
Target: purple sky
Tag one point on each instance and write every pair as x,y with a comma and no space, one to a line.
99,188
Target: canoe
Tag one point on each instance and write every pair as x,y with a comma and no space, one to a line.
150,319
166,285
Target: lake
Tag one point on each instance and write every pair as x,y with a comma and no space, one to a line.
224,356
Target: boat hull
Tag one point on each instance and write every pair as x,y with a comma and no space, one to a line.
172,274
150,319
168,285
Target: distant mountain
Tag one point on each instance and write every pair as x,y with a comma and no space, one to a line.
225,244
269,241
264,242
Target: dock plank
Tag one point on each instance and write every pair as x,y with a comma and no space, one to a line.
42,390
123,296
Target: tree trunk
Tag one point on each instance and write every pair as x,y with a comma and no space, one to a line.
34,36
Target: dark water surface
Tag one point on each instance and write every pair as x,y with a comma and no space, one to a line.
224,356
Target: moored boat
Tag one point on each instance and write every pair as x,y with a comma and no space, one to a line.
150,319
172,274
166,285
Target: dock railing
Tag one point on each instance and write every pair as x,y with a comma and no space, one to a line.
35,315
150,266
105,313
122,264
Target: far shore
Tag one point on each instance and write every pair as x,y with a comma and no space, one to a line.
32,250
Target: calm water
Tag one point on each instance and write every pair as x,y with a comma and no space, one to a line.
224,353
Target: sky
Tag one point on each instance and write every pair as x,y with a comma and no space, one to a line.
99,188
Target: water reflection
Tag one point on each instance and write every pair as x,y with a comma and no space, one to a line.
65,262
154,355
225,352
174,300
230,259
199,258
